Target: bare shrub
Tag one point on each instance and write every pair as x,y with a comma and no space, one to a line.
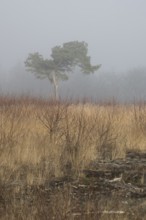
75,138
51,118
11,128
107,137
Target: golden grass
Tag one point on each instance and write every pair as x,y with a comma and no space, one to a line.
41,140
44,137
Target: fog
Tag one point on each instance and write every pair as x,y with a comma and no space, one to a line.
115,31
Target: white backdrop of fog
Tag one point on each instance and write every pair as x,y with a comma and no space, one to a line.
115,31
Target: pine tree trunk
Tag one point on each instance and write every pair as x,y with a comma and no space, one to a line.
55,84
56,92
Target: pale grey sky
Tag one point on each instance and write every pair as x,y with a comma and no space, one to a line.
114,29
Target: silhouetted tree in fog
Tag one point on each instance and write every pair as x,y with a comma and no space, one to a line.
63,60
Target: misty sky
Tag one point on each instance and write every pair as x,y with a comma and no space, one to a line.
114,29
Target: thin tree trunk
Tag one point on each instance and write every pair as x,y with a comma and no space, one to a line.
56,92
55,84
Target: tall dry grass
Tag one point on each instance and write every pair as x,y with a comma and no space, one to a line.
41,140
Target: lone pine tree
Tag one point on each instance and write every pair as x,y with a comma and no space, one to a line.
63,60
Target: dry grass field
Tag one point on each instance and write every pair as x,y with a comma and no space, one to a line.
41,141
